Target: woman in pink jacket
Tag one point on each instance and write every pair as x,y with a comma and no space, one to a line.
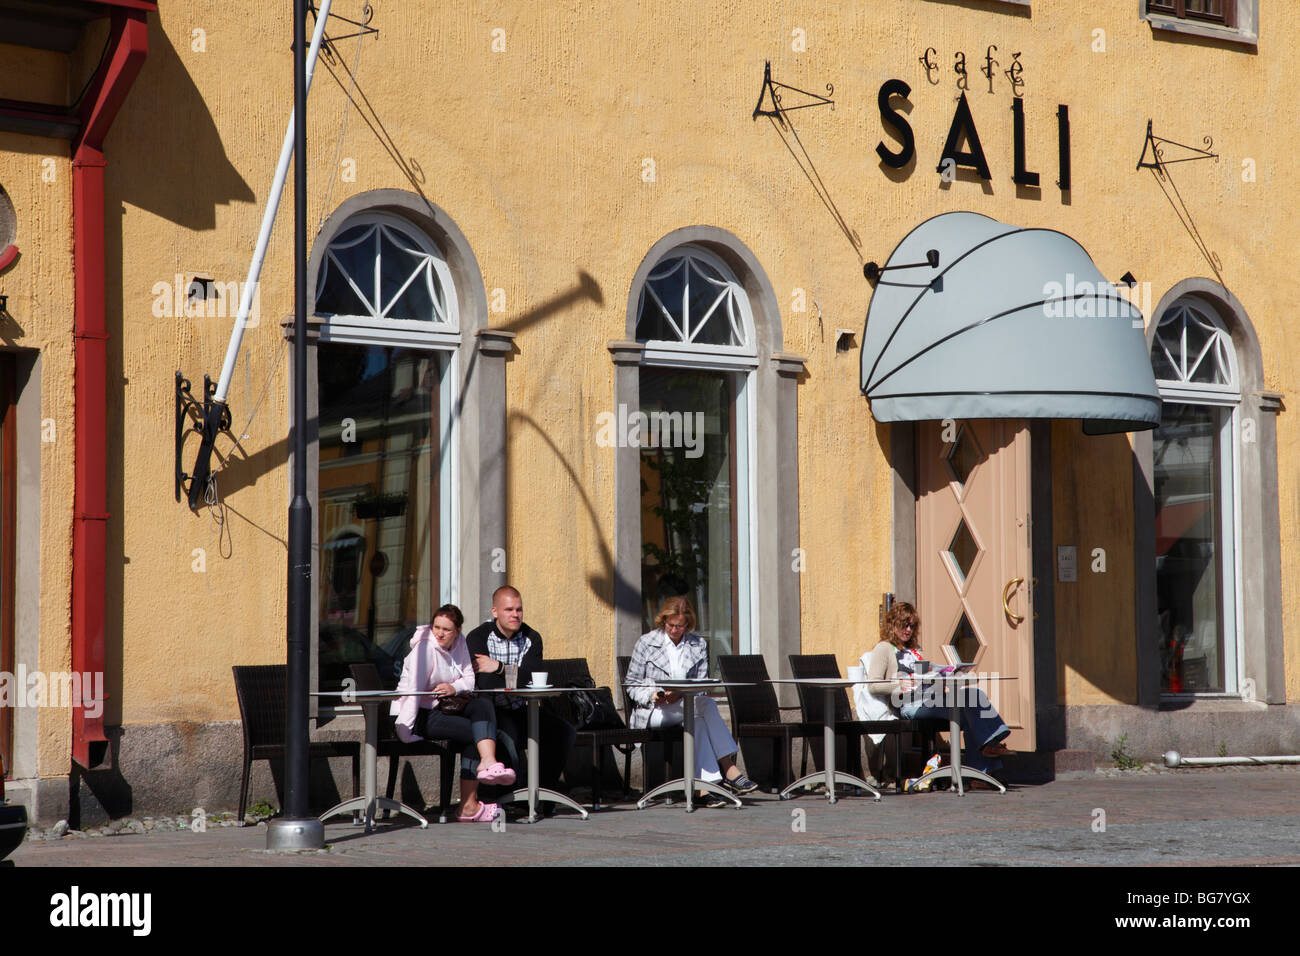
439,661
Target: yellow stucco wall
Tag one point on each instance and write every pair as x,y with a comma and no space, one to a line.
36,174
537,153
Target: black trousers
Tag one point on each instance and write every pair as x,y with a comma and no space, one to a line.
556,738
478,721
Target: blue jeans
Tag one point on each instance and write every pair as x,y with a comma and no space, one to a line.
980,723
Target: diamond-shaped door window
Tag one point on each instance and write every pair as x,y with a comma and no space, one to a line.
964,641
963,550
963,455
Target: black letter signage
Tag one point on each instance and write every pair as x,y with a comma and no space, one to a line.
897,123
963,127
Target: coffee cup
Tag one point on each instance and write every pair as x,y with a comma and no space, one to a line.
540,679
856,674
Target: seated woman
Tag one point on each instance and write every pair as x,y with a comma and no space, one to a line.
439,661
673,651
894,659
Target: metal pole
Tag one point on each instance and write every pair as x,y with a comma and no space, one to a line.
296,830
1174,759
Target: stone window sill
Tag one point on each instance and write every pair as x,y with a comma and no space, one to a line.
1239,37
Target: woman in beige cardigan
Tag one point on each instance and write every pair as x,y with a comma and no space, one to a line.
894,659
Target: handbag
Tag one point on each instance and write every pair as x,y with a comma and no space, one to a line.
453,705
591,707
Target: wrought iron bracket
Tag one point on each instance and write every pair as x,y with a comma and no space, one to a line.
1158,162
771,94
363,25
873,270
205,417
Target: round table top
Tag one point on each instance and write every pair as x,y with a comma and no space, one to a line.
702,683
373,696
529,690
823,681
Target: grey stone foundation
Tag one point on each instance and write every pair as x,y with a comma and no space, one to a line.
174,768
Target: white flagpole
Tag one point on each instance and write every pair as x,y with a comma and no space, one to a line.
268,221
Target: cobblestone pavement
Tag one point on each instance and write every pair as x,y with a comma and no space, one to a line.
1225,816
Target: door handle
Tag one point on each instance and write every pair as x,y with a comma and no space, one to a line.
1014,618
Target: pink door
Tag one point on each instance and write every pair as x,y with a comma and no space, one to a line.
973,558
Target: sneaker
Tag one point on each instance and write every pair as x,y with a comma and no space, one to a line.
740,784
707,801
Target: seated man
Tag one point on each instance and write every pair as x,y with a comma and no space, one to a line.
507,641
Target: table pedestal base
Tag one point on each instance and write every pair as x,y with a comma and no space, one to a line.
840,777
966,773
369,806
687,788
542,795
688,784
534,793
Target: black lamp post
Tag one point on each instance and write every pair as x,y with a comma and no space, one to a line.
296,830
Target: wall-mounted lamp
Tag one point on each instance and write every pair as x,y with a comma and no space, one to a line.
1128,279
844,340
4,304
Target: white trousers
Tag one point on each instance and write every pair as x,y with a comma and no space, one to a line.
712,739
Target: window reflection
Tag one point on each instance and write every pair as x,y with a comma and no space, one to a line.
688,478
378,505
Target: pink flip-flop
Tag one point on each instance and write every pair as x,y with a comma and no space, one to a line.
497,773
487,812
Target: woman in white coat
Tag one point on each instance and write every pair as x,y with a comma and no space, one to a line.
673,651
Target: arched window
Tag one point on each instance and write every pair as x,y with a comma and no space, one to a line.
1197,475
696,388
381,277
386,372
690,303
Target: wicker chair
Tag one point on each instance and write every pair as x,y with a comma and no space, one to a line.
663,747
810,702
394,748
756,716
574,672
262,691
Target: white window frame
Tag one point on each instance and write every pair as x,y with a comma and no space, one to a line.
1245,33
432,337
741,360
1221,396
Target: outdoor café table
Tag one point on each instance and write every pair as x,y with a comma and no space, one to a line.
534,792
687,784
370,801
829,775
955,771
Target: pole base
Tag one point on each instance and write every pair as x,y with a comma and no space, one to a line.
308,834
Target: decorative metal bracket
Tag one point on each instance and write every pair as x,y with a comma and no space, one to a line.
771,93
873,270
365,29
1158,165
205,417
1158,162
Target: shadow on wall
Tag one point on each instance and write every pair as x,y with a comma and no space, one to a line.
179,169
165,155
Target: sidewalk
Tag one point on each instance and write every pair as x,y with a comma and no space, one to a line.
1230,816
